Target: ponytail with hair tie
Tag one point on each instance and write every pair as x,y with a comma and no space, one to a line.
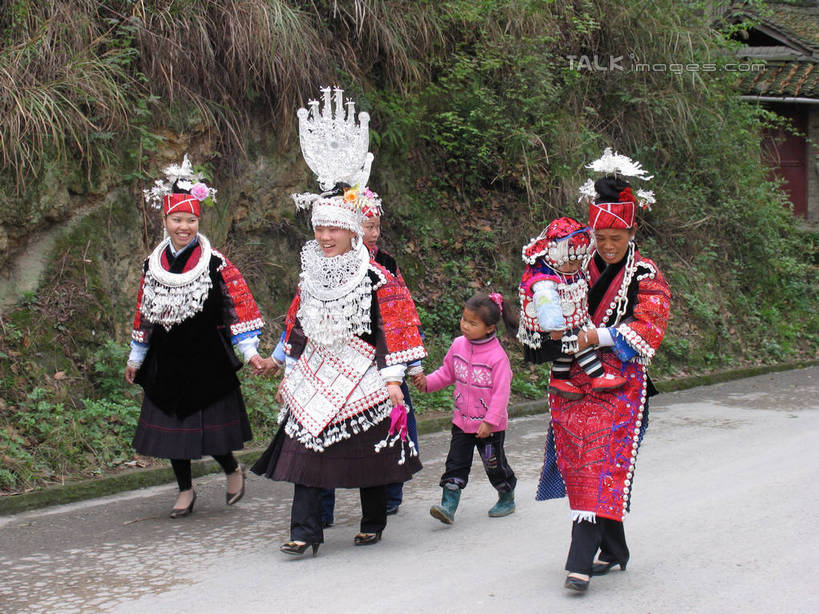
497,298
490,308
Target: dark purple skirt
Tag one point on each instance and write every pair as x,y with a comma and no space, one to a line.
218,429
350,463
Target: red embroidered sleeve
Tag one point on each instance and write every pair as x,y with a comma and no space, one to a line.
141,331
290,320
241,312
400,319
645,330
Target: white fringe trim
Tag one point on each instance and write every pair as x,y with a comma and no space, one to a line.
531,339
336,432
581,515
390,441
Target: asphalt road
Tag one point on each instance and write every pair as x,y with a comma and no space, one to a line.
723,520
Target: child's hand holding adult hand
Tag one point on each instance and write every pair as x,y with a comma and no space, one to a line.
420,381
556,335
484,430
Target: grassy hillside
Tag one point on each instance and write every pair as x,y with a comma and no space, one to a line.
483,114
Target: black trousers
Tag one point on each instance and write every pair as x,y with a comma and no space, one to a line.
459,460
605,535
182,468
305,515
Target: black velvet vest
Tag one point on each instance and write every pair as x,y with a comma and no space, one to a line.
192,365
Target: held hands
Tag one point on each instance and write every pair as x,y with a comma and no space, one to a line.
484,430
264,366
420,381
556,335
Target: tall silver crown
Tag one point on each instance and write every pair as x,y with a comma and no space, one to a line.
335,147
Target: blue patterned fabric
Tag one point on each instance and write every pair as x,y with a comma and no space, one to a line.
245,335
551,484
621,348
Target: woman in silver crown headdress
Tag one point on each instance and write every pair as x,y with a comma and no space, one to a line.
192,305
350,332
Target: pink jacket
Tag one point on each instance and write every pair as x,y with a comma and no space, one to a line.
482,376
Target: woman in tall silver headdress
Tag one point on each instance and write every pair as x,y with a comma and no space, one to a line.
350,331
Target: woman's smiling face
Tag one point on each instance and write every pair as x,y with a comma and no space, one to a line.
182,228
612,243
333,241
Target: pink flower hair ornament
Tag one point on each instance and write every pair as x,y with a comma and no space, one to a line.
497,298
200,191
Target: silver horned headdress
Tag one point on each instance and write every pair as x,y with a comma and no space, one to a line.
335,148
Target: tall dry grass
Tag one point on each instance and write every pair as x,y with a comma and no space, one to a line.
64,89
76,74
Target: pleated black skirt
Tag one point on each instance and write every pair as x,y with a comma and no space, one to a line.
350,463
218,429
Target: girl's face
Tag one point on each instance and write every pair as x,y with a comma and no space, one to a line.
333,241
473,327
372,230
612,243
570,268
182,228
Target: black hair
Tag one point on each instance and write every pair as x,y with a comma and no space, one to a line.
489,312
336,190
177,190
608,189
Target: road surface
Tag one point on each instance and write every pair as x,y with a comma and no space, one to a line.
723,520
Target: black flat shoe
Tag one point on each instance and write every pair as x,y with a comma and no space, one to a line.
178,512
235,497
367,539
296,549
392,511
576,584
603,567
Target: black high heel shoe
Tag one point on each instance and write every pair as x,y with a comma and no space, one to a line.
367,539
296,549
234,497
603,567
178,512
576,584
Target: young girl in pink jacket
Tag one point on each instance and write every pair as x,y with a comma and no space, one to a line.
478,366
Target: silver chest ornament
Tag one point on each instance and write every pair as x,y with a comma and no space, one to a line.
574,302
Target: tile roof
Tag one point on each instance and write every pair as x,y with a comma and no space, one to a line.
798,19
791,68
783,79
